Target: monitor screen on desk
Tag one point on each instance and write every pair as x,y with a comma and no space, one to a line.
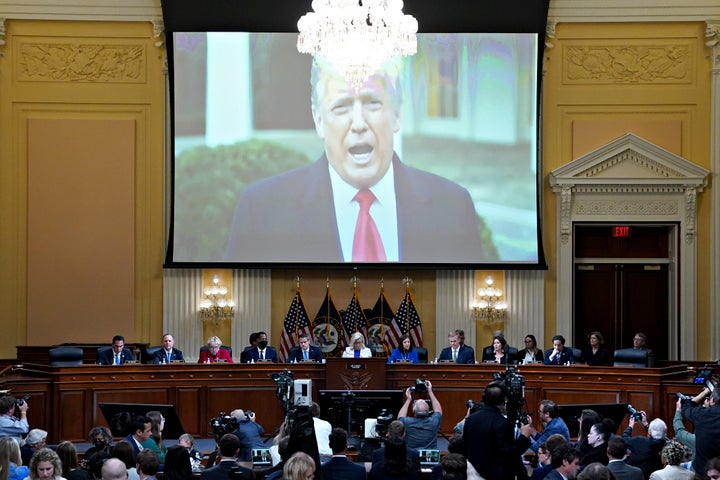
362,404
119,417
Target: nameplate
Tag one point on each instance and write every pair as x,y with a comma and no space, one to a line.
401,361
260,360
309,360
131,361
178,361
445,361
355,366
221,360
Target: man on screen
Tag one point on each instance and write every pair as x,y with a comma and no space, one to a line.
358,202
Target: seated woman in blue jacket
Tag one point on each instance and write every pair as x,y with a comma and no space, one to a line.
404,352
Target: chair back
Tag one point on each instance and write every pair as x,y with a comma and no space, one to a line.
149,352
65,356
422,354
101,351
577,355
630,357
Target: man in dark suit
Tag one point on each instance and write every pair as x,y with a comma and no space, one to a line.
455,353
339,466
397,429
229,446
358,202
559,355
565,463
168,353
117,354
491,445
141,431
304,351
254,339
616,451
262,352
148,464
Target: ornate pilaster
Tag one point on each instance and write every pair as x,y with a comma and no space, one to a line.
690,213
712,35
565,211
2,37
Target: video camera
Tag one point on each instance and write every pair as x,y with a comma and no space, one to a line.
383,421
223,424
514,384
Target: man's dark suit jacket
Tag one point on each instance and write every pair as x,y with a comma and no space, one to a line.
465,355
296,354
131,440
495,454
221,470
623,471
342,468
107,357
561,359
553,475
161,357
253,355
291,217
378,455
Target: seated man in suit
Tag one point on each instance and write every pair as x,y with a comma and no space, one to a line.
639,344
456,354
117,355
168,353
262,352
397,429
141,428
559,355
339,466
254,339
228,446
213,353
305,351
565,463
148,464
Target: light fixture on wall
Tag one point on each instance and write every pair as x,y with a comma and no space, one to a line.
490,307
357,36
216,307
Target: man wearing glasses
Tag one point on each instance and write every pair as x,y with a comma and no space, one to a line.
549,414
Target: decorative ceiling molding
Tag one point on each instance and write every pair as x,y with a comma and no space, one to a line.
623,11
88,10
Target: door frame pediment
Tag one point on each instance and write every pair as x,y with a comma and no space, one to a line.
628,180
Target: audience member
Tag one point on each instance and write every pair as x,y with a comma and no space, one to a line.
283,449
339,467
304,351
597,441
11,467
101,439
117,354
645,451
616,451
186,440
456,445
154,442
588,418
672,454
395,463
404,352
262,352
10,425
177,464
249,433
558,355
545,458
69,458
454,467
681,433
639,344
454,353
34,441
357,348
493,449
397,429
712,470
229,446
213,353
124,451
147,465
549,415
253,339
114,469
45,465
498,353
322,433
141,428
596,355
706,422
300,466
421,430
168,353
565,463
596,471
531,353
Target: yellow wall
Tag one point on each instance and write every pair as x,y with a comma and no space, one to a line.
604,80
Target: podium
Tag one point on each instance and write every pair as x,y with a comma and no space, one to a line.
355,373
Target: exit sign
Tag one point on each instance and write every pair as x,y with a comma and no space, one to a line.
621,231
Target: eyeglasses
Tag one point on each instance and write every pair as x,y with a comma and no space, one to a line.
528,341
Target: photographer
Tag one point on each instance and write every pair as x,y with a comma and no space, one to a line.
421,430
248,432
706,421
491,444
10,425
645,451
552,423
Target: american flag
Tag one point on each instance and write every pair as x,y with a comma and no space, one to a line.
296,322
382,315
407,321
354,319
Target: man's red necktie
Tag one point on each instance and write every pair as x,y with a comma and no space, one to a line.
367,244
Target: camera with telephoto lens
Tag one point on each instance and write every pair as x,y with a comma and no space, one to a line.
384,419
223,424
634,413
514,385
248,414
683,397
419,387
470,404
20,401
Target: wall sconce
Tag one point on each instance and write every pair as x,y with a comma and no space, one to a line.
215,306
490,308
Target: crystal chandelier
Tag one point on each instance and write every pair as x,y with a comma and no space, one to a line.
491,308
215,307
357,36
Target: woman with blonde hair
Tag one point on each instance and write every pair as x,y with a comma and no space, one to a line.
45,465
300,466
357,348
11,467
